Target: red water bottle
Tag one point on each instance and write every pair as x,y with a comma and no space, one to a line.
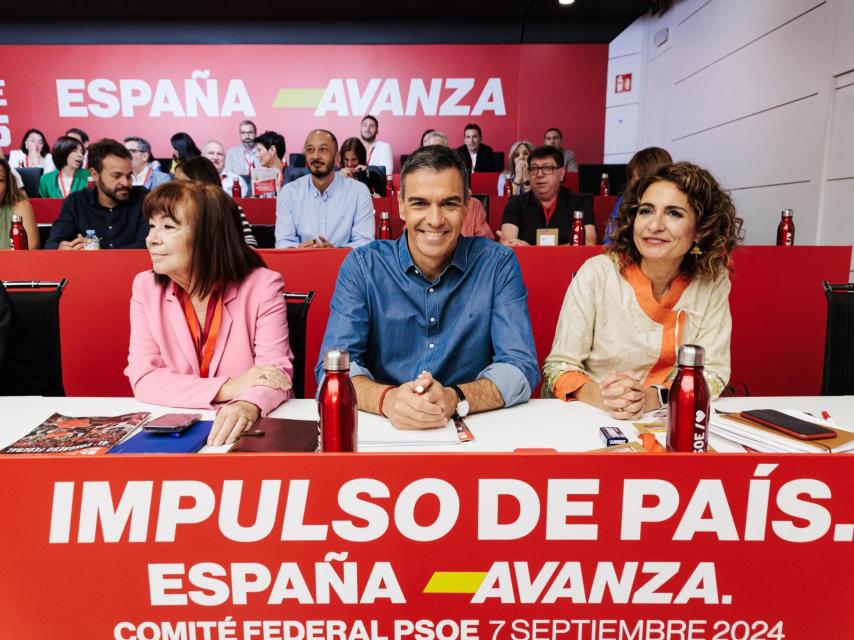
577,238
689,403
336,404
389,186
786,229
508,186
384,231
605,185
18,235
235,188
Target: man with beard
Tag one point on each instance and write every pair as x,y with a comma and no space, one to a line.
242,158
111,209
323,209
379,152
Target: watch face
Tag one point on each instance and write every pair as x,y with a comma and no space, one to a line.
463,408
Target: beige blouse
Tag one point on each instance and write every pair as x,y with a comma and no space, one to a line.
610,321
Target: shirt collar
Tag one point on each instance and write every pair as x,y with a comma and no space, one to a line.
314,191
460,259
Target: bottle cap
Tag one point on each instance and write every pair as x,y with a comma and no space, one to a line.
336,360
604,175
787,213
691,355
90,232
578,215
384,215
17,218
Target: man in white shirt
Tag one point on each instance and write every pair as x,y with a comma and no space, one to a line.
144,173
215,152
242,158
554,138
379,152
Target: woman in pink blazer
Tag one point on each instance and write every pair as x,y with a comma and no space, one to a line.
208,323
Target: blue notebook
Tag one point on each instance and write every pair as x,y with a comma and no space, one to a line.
188,441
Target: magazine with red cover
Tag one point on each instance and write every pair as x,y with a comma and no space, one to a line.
66,435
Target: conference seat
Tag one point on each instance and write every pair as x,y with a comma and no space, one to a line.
590,177
31,176
265,234
838,374
298,305
296,160
32,365
293,173
499,160
484,200
44,232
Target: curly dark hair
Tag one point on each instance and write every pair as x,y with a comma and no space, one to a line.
718,226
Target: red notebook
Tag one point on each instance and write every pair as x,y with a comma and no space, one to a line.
278,434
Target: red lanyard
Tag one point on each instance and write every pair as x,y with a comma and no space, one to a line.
204,339
550,211
144,179
61,181
250,162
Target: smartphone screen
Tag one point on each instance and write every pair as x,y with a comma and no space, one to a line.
789,425
172,422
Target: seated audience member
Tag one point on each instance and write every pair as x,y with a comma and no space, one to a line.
663,281
377,152
13,201
241,159
424,135
200,169
554,138
475,223
34,152
232,352
18,180
478,157
643,162
215,152
183,148
69,176
145,174
270,153
548,205
112,209
83,137
517,169
354,164
323,209
436,324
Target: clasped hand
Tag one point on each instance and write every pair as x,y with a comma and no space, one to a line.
235,417
422,403
623,393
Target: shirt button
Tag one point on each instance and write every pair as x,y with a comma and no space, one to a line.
109,226
417,272
431,345
430,290
432,319
563,365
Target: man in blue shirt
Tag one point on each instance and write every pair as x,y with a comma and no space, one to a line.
323,209
436,323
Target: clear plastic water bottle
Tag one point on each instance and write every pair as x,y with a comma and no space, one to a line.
91,241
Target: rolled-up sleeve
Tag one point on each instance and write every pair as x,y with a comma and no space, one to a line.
514,367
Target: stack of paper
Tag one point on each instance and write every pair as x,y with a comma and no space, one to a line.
759,438
378,433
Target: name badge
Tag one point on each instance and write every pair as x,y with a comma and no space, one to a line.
546,237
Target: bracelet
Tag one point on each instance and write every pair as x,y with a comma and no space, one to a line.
382,398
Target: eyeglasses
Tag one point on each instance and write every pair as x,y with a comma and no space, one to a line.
546,171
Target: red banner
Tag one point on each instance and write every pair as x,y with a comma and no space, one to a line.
153,91
382,547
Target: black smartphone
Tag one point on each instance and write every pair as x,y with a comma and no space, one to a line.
789,425
172,422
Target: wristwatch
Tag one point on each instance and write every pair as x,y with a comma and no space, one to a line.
463,404
663,394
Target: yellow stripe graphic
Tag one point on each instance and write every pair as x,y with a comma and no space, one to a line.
297,98
455,582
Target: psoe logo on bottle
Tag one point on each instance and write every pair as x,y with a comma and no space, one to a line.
443,97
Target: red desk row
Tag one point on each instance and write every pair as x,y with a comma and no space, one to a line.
772,357
263,210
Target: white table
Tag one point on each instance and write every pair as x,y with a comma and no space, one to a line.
538,424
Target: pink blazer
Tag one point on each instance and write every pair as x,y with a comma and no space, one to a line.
162,363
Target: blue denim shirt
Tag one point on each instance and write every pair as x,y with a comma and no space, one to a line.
343,213
471,322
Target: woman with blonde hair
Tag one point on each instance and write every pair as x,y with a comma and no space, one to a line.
517,169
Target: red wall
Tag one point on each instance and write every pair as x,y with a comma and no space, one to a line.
777,306
541,86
